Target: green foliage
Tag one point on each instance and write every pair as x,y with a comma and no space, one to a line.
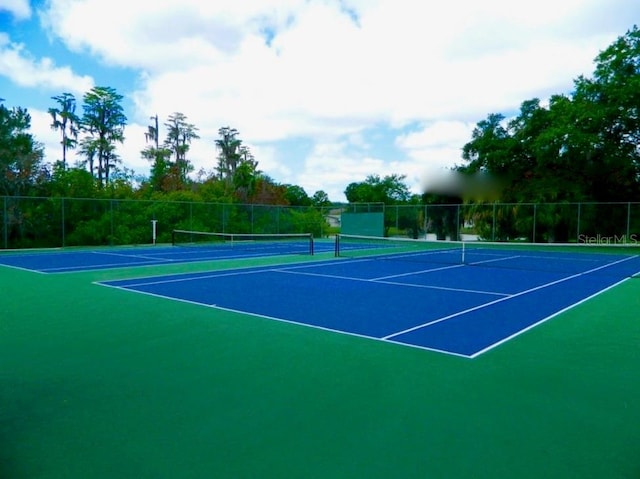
296,196
213,190
308,220
388,190
159,179
442,216
20,154
103,123
180,133
578,148
268,192
320,199
72,182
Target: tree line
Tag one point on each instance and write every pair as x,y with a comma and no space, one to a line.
577,147
581,147
99,172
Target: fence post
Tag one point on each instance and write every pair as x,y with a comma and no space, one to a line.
111,214
62,225
534,222
397,219
5,223
426,221
578,232
628,222
493,229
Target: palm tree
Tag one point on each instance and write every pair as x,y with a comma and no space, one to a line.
65,120
103,122
152,133
180,133
229,154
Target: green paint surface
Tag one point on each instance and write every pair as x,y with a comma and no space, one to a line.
98,383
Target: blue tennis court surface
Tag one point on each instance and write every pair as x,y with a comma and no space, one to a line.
461,309
108,258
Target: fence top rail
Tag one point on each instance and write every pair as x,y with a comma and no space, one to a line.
159,201
332,206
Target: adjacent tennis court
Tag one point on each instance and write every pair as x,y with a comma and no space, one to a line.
188,247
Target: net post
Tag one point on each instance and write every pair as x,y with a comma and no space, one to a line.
173,237
154,224
463,251
311,244
337,248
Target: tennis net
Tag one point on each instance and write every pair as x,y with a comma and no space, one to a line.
268,244
624,259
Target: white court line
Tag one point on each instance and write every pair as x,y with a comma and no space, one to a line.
545,256
23,269
288,271
495,260
157,262
106,253
393,283
391,276
531,326
311,263
521,293
190,278
282,320
569,256
93,268
443,268
384,339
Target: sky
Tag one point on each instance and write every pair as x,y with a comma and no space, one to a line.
323,92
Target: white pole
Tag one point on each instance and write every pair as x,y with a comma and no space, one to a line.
153,228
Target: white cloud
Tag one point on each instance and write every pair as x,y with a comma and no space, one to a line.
437,134
163,35
325,73
20,9
41,126
269,163
434,149
18,65
329,71
332,166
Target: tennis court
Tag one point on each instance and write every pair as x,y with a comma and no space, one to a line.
299,365
465,306
188,247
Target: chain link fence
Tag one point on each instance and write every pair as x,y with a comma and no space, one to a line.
531,222
31,222
35,222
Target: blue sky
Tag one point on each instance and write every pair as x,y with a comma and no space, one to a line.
324,92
